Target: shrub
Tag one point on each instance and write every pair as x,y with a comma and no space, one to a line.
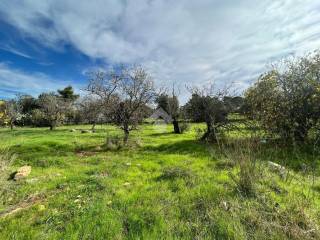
286,99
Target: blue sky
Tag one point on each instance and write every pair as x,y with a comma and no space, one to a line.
46,45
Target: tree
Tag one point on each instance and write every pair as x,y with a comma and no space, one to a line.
91,110
162,101
135,90
206,104
68,94
53,109
13,112
235,104
124,94
27,104
285,100
170,104
174,111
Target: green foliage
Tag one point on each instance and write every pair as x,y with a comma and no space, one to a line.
234,104
286,101
68,93
209,108
162,101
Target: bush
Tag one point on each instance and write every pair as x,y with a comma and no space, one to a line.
286,99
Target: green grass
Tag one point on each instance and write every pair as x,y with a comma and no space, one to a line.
166,186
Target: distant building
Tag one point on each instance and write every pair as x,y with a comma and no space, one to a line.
160,114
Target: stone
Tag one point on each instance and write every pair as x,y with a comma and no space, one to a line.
73,130
22,172
277,168
225,205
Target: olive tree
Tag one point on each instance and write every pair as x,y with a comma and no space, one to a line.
206,104
170,104
286,99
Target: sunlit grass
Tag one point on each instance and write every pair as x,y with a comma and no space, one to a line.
166,187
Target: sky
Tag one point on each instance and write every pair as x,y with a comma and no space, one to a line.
48,44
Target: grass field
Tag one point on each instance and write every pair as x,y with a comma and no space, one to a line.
164,186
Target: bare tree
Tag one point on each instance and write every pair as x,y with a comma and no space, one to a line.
103,84
91,110
53,109
124,94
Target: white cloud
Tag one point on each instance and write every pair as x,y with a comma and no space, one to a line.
186,42
15,51
13,81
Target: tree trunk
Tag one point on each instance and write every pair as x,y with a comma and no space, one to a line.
210,134
126,135
176,126
52,127
11,125
93,126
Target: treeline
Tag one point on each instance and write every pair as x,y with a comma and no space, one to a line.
284,102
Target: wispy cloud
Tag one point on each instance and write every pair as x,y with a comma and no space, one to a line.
186,42
14,81
15,51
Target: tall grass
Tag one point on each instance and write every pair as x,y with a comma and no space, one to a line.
6,159
243,155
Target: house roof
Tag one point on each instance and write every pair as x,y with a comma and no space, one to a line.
159,113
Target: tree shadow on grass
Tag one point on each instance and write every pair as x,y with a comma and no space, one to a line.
161,134
180,147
